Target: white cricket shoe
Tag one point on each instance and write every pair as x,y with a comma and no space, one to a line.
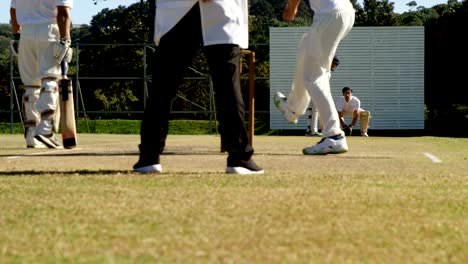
49,140
330,145
34,143
31,142
155,168
364,134
282,105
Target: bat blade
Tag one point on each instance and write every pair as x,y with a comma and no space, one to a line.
67,115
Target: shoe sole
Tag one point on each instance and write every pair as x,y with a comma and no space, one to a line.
278,98
37,147
324,153
155,168
242,171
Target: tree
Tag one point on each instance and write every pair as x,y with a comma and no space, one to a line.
113,26
412,4
5,37
446,57
378,13
418,18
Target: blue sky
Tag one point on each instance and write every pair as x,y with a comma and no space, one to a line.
84,10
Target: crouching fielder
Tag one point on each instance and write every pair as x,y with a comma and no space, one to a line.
44,27
350,106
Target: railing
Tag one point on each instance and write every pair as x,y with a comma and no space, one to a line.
80,104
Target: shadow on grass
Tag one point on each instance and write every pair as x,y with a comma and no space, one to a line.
69,172
52,154
180,153
29,173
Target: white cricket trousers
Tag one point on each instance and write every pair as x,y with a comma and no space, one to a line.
312,77
38,68
35,57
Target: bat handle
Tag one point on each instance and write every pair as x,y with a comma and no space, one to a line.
63,67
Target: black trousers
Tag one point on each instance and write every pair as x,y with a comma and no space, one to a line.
173,55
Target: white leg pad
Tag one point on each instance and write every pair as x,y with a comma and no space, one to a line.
30,98
314,120
31,115
364,118
47,106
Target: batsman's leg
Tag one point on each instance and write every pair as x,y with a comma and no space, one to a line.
314,121
47,107
31,115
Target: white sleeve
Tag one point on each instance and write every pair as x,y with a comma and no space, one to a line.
13,4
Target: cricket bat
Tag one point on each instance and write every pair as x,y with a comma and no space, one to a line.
67,109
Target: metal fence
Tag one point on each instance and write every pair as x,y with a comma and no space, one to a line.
144,77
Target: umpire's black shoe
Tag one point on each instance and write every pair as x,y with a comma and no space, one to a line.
243,167
153,168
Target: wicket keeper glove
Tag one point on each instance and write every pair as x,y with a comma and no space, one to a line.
347,130
15,43
62,50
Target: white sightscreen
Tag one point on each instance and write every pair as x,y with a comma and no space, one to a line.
383,65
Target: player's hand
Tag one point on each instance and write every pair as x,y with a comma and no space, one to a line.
62,50
15,43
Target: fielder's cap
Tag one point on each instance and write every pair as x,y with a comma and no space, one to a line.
346,89
336,60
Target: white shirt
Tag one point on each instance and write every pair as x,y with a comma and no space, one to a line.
353,104
223,21
327,6
38,11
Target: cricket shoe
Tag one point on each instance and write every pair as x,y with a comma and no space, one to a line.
31,142
364,134
330,145
49,140
280,103
35,144
154,168
243,167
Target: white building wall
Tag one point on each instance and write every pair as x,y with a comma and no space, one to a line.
383,65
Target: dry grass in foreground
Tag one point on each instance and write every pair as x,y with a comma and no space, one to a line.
383,202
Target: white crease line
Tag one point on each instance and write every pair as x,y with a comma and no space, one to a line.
42,153
432,157
99,144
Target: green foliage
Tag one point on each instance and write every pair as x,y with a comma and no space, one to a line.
377,13
6,127
448,120
130,28
5,37
122,126
419,18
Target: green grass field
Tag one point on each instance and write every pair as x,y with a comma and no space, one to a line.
385,201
